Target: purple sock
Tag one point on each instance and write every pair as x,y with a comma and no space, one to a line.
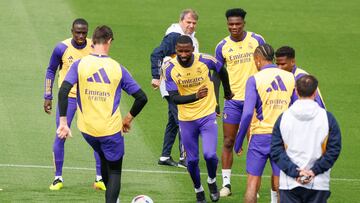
97,163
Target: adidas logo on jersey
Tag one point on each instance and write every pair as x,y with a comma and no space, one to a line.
277,85
99,77
70,59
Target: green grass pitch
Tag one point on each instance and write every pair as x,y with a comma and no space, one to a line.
325,35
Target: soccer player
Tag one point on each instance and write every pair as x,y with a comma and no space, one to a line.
161,54
268,93
285,59
64,54
190,87
100,81
235,52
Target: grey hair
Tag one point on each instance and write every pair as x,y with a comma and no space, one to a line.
187,11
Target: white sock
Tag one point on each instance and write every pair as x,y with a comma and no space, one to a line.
164,158
226,175
59,177
98,177
273,196
200,189
211,180
118,200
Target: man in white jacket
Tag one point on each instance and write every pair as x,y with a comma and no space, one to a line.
164,52
306,142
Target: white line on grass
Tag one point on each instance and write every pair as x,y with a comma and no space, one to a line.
147,171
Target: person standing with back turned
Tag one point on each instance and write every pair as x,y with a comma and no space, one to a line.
268,93
100,81
306,142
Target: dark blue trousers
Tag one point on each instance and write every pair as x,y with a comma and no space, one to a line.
303,195
172,128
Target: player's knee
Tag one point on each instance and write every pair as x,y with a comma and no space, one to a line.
210,155
192,161
228,143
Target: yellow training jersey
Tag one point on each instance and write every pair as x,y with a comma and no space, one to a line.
100,81
274,88
238,58
188,80
71,54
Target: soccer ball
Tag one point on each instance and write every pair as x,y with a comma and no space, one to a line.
142,199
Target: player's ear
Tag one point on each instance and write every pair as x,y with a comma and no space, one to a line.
293,62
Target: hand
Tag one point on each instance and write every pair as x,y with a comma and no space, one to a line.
63,130
47,106
155,83
238,148
217,110
239,153
305,176
127,123
202,92
229,96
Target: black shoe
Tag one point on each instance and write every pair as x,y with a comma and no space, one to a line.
200,197
182,163
214,193
168,162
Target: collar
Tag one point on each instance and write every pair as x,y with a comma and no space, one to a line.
268,66
294,69
236,40
78,46
99,55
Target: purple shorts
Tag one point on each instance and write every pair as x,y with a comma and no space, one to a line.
112,146
232,111
206,128
258,154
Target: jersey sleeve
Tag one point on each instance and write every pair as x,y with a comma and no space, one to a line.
166,48
55,62
210,62
169,82
251,97
218,53
72,75
258,38
127,83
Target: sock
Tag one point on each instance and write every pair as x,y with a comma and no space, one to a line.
211,180
163,158
98,178
226,174
200,189
118,200
273,196
59,177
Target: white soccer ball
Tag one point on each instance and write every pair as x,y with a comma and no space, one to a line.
142,199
